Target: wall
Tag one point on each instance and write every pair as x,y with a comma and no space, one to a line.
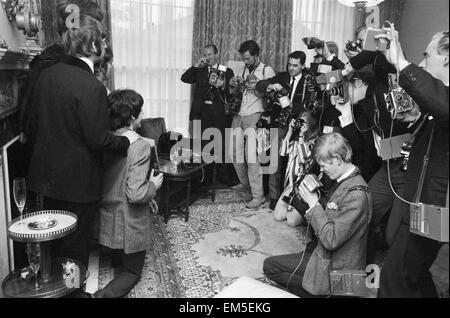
421,19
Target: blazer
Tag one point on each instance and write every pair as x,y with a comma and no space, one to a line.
432,96
70,134
200,77
284,79
127,191
341,229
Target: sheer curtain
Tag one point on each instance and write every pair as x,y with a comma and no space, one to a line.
152,48
325,19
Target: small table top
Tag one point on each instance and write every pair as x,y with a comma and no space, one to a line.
42,226
21,284
182,171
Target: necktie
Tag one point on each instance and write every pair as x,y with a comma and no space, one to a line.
292,88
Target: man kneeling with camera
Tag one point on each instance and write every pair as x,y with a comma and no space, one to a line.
340,228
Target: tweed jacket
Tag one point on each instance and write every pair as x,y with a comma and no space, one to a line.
127,191
341,229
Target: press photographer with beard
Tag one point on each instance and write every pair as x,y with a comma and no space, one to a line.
406,268
252,106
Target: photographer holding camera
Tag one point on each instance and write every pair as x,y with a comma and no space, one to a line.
211,93
341,227
252,106
406,269
376,119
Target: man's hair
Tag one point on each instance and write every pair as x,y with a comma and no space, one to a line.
298,55
333,48
87,7
123,105
250,46
331,146
443,42
212,46
78,41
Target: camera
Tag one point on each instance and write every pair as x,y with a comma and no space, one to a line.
312,183
352,46
313,43
429,221
372,44
349,283
397,100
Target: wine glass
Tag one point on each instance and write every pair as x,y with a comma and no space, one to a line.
34,259
20,195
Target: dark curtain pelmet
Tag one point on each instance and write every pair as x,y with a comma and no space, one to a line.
228,23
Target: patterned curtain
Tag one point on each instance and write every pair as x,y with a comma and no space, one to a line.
228,23
391,10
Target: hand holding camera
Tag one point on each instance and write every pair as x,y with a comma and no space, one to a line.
157,179
202,63
394,53
274,87
308,190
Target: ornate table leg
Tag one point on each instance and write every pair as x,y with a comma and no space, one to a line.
46,262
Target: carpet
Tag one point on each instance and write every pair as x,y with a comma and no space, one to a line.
221,242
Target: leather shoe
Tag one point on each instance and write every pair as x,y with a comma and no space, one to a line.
273,204
255,203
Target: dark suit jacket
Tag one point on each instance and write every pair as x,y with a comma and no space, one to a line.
200,77
284,79
71,133
432,96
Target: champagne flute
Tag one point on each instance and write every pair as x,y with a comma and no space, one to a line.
20,195
34,259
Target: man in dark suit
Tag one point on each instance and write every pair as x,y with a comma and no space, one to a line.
71,134
211,95
406,268
294,81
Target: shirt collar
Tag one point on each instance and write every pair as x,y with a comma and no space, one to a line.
88,62
347,174
298,77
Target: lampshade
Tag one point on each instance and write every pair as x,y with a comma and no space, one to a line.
360,3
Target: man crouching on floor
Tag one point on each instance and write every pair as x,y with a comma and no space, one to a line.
340,238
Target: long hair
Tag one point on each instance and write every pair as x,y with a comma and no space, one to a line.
87,7
78,41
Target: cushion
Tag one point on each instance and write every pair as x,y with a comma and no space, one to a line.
249,288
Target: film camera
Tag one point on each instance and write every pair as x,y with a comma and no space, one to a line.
278,112
353,46
397,100
233,106
313,43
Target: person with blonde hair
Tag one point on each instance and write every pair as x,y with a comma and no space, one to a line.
341,226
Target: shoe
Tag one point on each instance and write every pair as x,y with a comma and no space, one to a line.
273,204
241,188
255,203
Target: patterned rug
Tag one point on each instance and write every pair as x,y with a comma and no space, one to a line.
220,243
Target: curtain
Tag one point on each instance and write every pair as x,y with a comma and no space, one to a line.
228,23
152,49
326,19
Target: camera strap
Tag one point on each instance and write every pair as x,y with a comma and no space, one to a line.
426,162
